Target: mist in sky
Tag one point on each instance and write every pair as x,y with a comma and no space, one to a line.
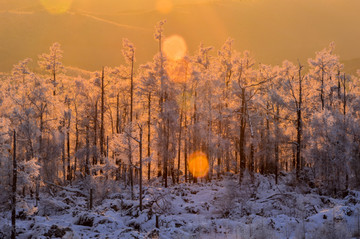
91,31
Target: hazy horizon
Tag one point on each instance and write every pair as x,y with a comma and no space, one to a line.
91,32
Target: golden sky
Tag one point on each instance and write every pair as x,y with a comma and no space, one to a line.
91,31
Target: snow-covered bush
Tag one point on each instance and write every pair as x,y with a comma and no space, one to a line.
28,172
263,231
329,151
161,201
85,219
49,207
226,202
5,231
332,230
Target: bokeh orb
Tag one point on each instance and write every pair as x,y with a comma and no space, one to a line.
164,6
198,164
56,6
174,47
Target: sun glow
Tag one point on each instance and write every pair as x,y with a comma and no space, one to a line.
198,164
56,6
174,47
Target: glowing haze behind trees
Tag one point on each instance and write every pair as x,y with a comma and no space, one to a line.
90,31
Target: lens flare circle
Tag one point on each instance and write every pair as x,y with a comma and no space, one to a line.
164,6
174,47
56,6
198,164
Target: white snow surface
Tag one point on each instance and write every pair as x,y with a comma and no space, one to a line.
219,209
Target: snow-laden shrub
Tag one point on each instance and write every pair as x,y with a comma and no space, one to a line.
5,231
330,151
300,230
85,219
153,234
4,197
28,172
108,169
263,232
226,200
49,207
331,230
56,231
161,201
102,187
233,195
25,210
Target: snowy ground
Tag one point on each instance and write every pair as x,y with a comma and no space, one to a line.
220,209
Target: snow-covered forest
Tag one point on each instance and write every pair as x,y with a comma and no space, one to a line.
210,144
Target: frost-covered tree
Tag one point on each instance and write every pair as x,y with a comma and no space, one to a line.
148,86
323,69
51,62
129,55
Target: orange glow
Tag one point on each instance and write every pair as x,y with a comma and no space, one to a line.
174,47
56,6
164,6
198,164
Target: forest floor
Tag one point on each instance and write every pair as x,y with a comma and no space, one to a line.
258,208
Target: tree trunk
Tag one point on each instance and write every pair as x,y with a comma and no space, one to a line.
179,147
219,153
339,85
276,147
131,170
161,102
252,150
322,90
76,139
63,156
13,201
102,136
41,130
95,135
54,78
185,150
87,156
267,141
140,174
299,127
344,98
117,113
242,135
132,87
344,112
149,135
69,178
262,156
166,153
